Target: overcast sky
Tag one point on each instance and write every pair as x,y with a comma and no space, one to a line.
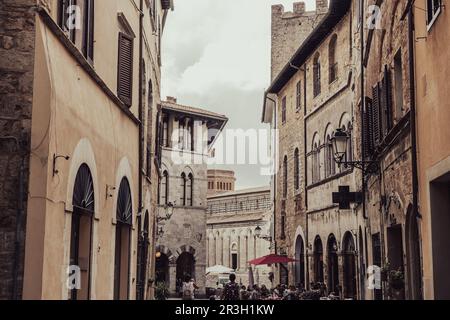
216,55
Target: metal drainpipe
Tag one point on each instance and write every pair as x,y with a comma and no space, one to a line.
141,290
363,107
141,106
415,178
275,180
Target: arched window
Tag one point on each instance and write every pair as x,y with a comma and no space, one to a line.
283,226
297,169
330,166
317,75
190,190
81,230
285,176
183,189
350,142
332,59
316,163
318,260
124,219
164,188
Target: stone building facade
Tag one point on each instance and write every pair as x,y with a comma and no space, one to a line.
187,135
232,218
312,102
388,142
317,92
74,204
220,181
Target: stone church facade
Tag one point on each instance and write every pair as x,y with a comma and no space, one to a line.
232,218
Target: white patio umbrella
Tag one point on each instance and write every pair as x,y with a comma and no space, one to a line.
218,269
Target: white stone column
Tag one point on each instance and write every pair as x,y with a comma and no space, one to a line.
250,246
218,253
226,251
207,252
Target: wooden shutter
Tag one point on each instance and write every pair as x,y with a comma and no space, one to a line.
376,122
125,69
88,37
388,98
367,129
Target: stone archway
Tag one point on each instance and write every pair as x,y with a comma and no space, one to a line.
300,262
318,260
349,254
333,265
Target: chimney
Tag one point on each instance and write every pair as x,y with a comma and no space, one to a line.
171,99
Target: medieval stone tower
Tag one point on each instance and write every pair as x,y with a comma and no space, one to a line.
290,29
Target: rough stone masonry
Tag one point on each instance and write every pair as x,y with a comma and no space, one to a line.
17,37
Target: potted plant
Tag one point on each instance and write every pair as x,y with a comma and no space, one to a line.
161,291
397,279
384,272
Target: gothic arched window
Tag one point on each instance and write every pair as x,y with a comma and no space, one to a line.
190,190
332,59
297,169
183,189
317,75
164,188
285,176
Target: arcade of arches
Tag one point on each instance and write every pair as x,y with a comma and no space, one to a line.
338,272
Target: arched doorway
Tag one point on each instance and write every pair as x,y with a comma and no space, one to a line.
333,266
362,265
162,268
318,260
300,262
413,256
349,266
142,257
185,266
123,241
81,232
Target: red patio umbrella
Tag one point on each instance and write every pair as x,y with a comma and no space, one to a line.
271,259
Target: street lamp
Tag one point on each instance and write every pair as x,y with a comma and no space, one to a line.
168,208
340,141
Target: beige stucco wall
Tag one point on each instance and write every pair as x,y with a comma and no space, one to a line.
433,117
72,116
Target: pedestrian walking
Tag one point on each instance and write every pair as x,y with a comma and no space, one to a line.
231,290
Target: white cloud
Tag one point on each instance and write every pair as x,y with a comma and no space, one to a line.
216,55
